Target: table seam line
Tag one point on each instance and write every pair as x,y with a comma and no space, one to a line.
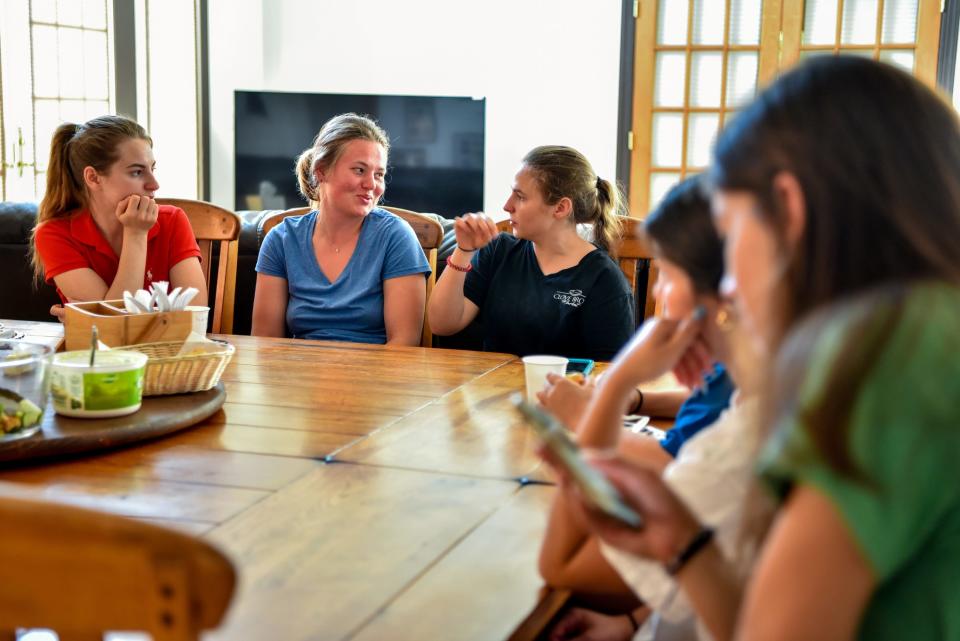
427,568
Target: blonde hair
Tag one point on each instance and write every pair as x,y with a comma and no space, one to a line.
564,172
73,148
329,145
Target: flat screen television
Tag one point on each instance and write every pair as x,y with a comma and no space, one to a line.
436,155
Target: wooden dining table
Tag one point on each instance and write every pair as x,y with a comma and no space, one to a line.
34,331
363,492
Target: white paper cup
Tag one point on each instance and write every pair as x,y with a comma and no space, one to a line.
536,368
200,314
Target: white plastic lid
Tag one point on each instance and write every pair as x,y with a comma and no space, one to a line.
112,360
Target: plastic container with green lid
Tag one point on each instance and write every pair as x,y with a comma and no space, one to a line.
112,387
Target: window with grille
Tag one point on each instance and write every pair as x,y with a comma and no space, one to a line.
55,66
887,30
697,61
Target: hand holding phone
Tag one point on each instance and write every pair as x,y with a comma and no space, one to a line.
593,484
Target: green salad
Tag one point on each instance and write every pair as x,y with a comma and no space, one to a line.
17,412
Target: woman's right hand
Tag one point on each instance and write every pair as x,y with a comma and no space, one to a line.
695,364
137,213
474,231
658,346
668,525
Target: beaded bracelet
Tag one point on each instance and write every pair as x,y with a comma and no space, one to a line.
459,268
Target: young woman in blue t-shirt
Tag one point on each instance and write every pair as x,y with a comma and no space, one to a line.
347,270
544,289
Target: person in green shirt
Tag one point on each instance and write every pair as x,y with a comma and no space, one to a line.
895,486
837,193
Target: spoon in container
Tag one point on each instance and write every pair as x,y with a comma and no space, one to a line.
94,339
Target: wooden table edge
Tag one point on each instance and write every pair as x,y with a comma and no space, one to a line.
535,624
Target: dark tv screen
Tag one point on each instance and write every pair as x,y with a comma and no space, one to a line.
436,147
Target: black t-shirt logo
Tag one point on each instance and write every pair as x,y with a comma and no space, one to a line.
573,298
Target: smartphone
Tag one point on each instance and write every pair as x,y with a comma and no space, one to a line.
594,485
579,365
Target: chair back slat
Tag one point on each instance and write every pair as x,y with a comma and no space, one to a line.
212,224
636,262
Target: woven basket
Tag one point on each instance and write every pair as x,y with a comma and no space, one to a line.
168,373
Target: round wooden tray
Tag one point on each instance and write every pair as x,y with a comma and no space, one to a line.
157,416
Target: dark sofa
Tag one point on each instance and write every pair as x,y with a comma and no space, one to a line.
23,300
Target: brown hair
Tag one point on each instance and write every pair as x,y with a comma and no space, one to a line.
682,231
329,144
564,172
73,148
865,321
882,201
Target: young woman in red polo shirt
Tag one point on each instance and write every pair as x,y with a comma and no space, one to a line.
99,230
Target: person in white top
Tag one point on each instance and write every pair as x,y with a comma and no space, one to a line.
712,471
712,475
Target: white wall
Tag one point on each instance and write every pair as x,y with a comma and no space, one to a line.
172,122
548,68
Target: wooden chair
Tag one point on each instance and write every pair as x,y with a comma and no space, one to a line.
636,262
82,573
215,224
429,232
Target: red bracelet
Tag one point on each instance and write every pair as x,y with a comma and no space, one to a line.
459,268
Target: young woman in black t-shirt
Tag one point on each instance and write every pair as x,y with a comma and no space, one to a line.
544,289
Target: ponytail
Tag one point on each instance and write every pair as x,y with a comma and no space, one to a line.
563,172
73,148
64,189
306,178
607,218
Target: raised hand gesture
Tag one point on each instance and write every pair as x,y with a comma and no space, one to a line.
658,347
474,231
